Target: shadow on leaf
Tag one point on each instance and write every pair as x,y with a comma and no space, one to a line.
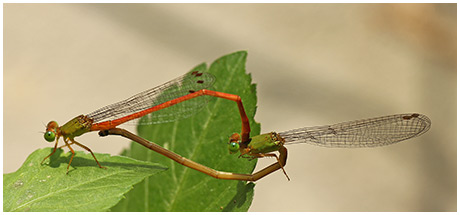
240,198
59,158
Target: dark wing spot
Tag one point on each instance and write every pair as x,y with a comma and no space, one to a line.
197,74
415,115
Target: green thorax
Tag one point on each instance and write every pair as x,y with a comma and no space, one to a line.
76,127
265,143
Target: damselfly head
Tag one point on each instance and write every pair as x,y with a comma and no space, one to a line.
50,134
234,143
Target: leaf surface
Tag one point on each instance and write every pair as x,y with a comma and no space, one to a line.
86,187
202,138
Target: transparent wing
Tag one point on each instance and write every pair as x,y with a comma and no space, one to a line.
181,86
371,132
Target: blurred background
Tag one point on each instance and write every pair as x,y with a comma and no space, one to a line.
314,64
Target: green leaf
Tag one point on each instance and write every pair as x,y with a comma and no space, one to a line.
202,138
47,187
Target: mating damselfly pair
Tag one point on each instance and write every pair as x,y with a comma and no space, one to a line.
186,95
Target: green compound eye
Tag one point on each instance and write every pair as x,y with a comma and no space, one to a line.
50,136
233,147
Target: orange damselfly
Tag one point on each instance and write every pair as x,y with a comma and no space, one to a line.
178,93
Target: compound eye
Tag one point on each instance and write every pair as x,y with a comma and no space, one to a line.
233,147
50,136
